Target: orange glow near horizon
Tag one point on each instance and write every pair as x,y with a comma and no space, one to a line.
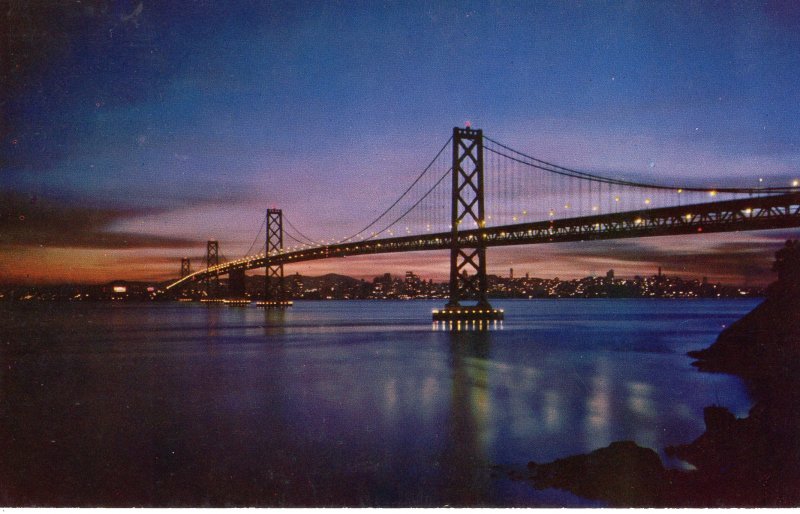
686,257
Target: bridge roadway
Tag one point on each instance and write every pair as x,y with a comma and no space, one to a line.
755,213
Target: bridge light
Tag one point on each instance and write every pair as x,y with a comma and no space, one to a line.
524,213
616,198
552,212
688,216
795,183
514,218
566,206
748,210
760,180
680,190
647,201
712,193
594,208
638,221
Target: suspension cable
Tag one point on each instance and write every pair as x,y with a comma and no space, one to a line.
263,224
286,219
561,170
412,207
373,222
290,236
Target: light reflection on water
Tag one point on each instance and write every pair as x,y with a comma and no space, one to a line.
338,403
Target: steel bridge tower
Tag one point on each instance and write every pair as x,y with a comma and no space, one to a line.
212,279
467,256
274,290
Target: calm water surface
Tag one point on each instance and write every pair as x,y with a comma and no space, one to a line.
339,403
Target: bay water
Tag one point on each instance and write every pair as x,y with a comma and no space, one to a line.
340,403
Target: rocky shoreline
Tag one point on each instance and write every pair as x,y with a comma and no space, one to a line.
747,462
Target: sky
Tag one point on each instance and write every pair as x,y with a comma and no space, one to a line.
131,132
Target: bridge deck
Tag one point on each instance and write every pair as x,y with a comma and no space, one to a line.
757,213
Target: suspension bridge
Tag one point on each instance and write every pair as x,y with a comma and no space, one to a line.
483,193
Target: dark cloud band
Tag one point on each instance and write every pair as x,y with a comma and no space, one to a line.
33,221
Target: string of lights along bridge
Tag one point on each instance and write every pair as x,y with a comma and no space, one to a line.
477,193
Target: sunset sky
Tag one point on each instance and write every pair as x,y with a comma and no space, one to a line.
132,132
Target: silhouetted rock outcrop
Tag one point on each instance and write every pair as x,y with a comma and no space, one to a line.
748,462
621,474
765,344
756,460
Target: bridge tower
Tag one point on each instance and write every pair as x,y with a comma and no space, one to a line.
467,256
274,290
212,279
186,267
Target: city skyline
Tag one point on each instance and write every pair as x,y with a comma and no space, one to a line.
386,286
134,132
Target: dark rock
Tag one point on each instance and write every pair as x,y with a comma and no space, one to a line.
621,474
718,419
763,346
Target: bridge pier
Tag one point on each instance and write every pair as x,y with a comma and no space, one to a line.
468,256
236,284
